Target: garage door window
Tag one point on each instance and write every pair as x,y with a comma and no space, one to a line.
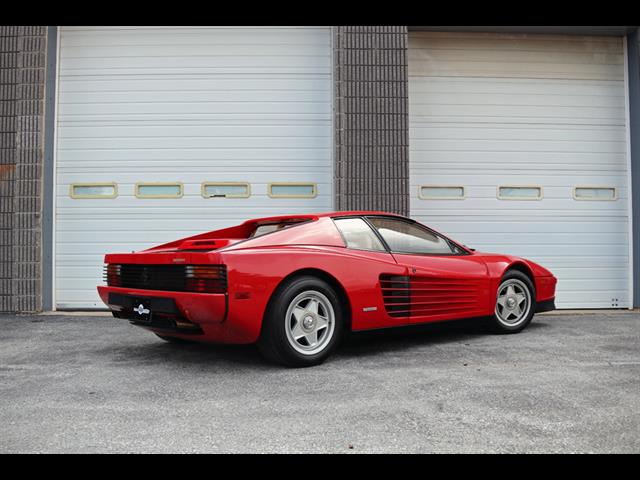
159,190
595,193
226,190
292,190
436,192
519,193
93,190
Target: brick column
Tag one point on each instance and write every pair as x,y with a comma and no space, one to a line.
22,81
371,119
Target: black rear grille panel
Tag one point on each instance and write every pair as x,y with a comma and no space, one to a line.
174,278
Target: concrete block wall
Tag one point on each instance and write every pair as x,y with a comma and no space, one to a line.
371,141
22,85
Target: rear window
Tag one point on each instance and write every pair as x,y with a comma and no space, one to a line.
358,235
266,228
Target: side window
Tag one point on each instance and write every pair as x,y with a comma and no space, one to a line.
358,235
405,237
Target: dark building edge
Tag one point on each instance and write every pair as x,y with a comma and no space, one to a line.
48,170
633,52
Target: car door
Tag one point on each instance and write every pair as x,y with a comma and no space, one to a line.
442,280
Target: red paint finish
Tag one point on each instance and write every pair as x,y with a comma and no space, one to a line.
443,287
447,287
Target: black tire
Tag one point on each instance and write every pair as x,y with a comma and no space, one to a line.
497,323
176,340
275,343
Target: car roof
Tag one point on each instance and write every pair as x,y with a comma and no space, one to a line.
315,216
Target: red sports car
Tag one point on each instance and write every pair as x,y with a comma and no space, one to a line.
294,284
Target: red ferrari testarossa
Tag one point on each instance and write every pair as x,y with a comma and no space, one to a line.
294,284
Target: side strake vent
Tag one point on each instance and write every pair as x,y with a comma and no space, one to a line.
396,293
416,295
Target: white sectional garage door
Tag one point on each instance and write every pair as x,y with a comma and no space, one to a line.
539,115
183,106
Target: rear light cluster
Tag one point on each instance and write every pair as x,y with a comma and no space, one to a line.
205,278
113,275
174,278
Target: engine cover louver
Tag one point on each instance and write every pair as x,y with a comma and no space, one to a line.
418,295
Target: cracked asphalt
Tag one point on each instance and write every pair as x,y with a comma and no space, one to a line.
87,383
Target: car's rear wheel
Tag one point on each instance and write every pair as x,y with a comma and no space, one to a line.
303,324
515,303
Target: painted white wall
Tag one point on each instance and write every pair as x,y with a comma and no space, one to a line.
187,104
515,109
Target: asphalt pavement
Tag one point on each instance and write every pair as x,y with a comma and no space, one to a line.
92,383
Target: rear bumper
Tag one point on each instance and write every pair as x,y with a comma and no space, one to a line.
202,317
198,308
546,305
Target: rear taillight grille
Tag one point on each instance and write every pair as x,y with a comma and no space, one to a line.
174,278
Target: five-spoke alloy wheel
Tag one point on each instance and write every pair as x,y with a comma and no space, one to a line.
303,323
310,322
515,303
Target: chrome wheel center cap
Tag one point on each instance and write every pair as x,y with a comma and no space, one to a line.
308,322
511,302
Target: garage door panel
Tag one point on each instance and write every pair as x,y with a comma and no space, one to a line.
471,225
188,105
166,108
463,68
555,88
517,145
594,284
250,61
532,160
196,142
448,118
519,99
523,112
480,127
191,131
80,155
525,207
539,133
193,96
138,36
544,44
532,249
552,61
544,238
196,51
229,84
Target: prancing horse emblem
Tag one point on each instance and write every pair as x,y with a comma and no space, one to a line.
141,310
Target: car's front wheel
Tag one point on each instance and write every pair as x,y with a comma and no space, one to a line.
303,323
515,303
